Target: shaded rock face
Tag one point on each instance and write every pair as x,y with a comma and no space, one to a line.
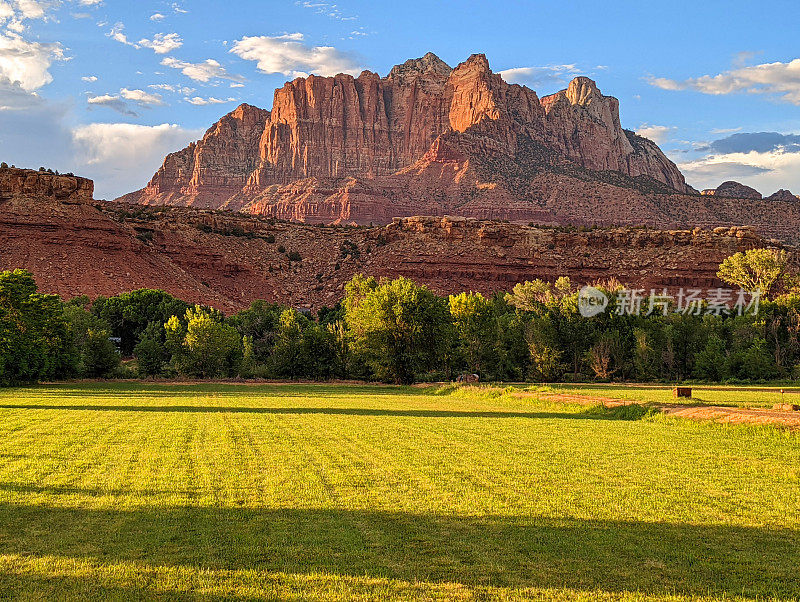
340,149
16,182
208,172
783,195
735,190
584,126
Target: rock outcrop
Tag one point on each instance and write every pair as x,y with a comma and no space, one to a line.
340,149
734,190
45,185
584,126
75,246
208,172
783,195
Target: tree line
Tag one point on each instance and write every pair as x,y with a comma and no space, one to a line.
399,331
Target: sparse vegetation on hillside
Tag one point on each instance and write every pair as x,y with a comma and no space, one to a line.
398,331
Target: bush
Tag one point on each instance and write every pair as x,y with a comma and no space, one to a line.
349,248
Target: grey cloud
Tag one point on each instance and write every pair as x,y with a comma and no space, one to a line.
728,170
761,142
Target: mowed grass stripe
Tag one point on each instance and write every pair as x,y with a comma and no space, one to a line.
334,491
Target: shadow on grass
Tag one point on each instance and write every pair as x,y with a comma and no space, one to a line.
630,412
212,389
585,555
91,492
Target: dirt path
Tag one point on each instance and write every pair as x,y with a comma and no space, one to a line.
715,413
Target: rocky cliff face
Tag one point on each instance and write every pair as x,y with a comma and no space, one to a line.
75,246
22,183
584,126
327,137
207,173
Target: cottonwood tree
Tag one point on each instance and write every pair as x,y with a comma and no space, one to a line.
755,270
202,345
34,340
399,327
474,321
129,314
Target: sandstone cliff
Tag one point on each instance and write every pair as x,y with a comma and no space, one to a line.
208,172
340,149
75,246
16,183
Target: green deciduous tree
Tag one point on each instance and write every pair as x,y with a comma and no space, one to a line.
260,322
527,295
202,345
34,340
151,352
97,356
755,269
712,362
474,322
400,328
304,349
129,314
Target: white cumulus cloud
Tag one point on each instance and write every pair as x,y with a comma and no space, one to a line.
120,157
186,91
141,97
764,171
200,101
119,102
286,54
162,43
6,11
656,133
204,71
27,63
31,9
539,76
118,33
780,80
113,102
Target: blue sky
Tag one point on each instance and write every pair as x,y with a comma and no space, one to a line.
106,88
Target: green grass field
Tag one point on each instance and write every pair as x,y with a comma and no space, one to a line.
731,396
136,491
